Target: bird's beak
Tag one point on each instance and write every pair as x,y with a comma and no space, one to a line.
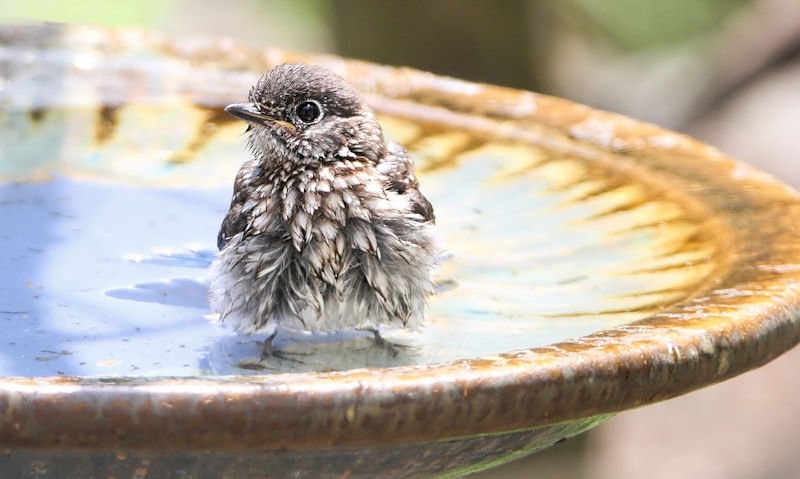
249,113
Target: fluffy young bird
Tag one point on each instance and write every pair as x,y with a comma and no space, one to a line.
327,229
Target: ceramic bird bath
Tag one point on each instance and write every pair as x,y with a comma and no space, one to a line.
595,264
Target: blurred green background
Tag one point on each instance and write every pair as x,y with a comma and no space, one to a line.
724,71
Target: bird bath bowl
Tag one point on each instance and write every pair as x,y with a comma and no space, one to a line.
596,264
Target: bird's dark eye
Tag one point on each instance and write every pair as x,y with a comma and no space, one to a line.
309,112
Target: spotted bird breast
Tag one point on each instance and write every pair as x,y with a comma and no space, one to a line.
327,214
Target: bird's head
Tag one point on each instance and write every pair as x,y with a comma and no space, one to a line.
308,114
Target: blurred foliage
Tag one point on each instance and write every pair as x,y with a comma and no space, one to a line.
298,24
513,42
500,42
141,12
414,26
634,24
471,39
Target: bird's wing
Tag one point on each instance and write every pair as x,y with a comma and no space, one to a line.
398,166
235,220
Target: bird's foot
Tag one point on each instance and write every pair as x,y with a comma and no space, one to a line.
393,349
269,351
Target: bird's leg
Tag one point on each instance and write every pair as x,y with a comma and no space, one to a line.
269,351
391,348
379,341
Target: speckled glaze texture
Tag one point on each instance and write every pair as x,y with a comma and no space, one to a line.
732,305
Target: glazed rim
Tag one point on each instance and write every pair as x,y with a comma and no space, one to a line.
747,314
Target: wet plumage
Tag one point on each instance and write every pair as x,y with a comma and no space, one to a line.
327,229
